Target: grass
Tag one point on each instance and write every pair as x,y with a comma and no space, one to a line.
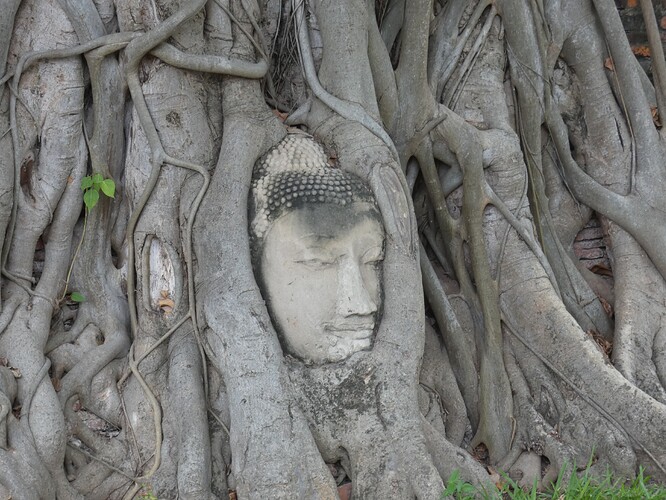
583,487
146,493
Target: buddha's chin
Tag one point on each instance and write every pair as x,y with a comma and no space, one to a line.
333,347
347,346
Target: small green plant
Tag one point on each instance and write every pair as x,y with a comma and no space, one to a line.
459,489
577,487
91,185
587,487
146,493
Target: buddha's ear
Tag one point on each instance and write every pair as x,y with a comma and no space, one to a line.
362,153
393,203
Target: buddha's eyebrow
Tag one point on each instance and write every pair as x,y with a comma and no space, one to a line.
317,237
374,251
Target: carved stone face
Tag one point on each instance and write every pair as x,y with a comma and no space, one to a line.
321,273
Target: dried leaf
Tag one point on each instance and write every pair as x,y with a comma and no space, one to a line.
656,119
641,50
232,495
608,64
15,371
495,477
480,453
345,491
605,346
166,304
57,384
607,307
601,269
281,116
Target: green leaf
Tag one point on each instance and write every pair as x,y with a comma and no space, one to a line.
77,297
86,182
108,187
90,198
97,179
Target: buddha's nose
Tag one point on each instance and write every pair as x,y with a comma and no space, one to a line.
354,298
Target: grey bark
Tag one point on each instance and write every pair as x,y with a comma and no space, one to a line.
170,378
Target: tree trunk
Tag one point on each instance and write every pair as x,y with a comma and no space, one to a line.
138,354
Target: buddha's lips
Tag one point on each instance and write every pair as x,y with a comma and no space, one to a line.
352,331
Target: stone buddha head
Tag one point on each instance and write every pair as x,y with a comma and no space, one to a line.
317,245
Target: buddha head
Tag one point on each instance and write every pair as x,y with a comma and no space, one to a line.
317,246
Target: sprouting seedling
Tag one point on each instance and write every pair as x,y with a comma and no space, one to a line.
91,185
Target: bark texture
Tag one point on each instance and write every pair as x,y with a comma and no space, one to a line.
137,355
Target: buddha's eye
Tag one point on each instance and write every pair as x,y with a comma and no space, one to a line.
373,257
317,263
373,263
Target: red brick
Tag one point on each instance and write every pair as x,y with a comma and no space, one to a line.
589,253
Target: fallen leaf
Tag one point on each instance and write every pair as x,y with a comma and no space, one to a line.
232,495
607,307
281,116
608,64
655,116
641,50
601,269
166,305
345,491
57,384
605,346
15,371
480,453
495,477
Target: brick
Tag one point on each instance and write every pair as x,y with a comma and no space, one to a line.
589,253
590,233
596,243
